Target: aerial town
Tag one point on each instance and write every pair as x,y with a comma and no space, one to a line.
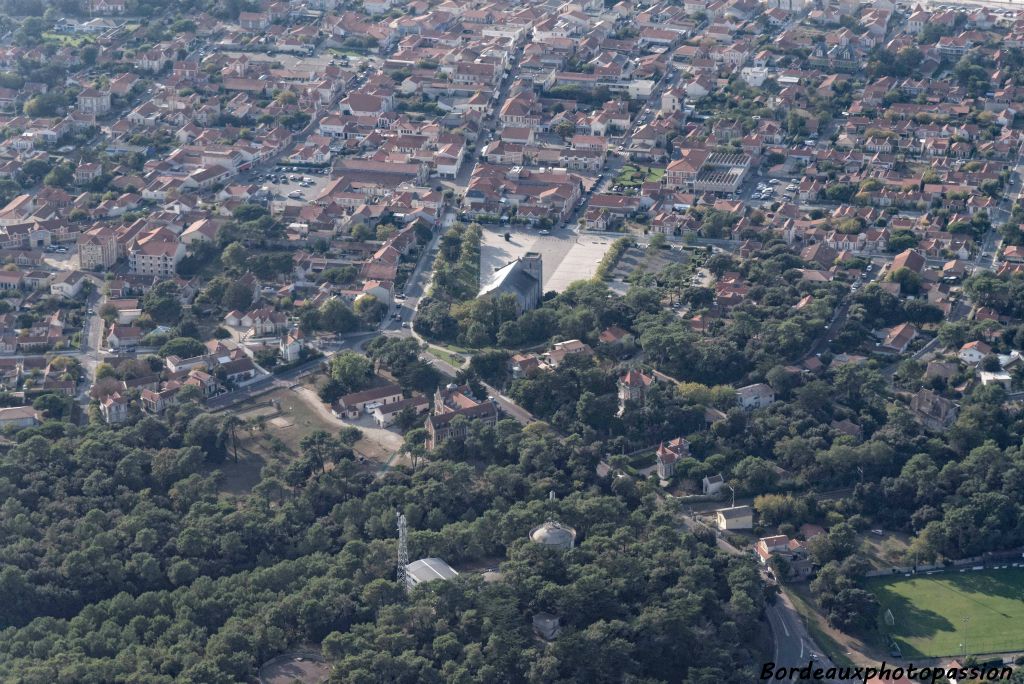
471,341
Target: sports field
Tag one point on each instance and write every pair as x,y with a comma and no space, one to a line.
929,611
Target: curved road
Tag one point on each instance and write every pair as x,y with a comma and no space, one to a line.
793,645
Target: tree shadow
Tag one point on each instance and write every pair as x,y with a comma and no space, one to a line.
1008,584
239,478
911,621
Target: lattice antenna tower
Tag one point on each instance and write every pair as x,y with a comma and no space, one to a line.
551,509
403,548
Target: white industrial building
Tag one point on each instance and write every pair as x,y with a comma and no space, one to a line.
428,570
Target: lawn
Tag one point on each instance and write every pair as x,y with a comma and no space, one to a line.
72,41
933,614
631,176
448,357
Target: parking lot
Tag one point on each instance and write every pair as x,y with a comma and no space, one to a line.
283,191
774,189
61,257
567,257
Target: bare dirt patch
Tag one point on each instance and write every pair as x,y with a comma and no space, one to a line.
307,668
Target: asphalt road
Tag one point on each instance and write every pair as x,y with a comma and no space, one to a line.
415,289
793,645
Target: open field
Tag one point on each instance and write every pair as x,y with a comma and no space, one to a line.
934,614
884,551
278,421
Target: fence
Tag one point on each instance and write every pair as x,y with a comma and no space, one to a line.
989,561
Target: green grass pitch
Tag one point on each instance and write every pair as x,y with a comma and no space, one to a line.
929,611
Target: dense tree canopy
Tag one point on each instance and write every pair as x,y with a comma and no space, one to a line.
133,568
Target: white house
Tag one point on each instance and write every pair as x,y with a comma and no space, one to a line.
19,416
712,484
386,414
973,352
735,518
123,336
291,345
68,284
754,396
357,403
114,409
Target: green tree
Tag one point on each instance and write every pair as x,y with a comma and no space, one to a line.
61,176
206,432
370,309
235,256
335,316
163,303
237,296
352,371
183,347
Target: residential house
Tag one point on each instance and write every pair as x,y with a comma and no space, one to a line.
754,396
67,284
793,550
973,352
19,417
97,248
386,414
735,518
114,408
669,454
561,350
92,101
711,485
614,336
124,336
292,345
933,411
898,338
156,253
632,388
237,371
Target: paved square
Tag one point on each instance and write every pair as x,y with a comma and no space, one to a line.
567,258
579,263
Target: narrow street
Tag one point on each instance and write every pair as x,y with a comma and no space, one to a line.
793,645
